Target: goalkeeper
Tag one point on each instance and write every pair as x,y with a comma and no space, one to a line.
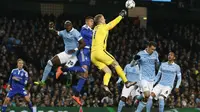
99,56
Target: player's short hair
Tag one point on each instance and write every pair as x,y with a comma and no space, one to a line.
173,53
89,17
97,18
20,60
152,43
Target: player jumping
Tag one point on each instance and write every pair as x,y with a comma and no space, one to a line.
99,56
168,72
132,73
148,59
17,82
83,58
73,42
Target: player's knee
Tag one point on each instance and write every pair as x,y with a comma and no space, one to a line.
161,98
123,99
147,94
85,74
7,100
153,94
107,70
27,98
115,63
85,67
50,63
55,61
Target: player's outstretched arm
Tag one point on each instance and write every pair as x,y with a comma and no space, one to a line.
80,41
179,78
114,22
81,44
52,28
158,75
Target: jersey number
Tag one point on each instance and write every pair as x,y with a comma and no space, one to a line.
70,63
94,34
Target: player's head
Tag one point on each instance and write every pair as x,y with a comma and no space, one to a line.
133,62
20,63
89,21
68,25
99,19
171,56
151,47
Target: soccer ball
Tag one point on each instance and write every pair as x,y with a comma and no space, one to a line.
130,4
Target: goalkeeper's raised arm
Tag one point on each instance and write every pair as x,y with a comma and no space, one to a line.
114,22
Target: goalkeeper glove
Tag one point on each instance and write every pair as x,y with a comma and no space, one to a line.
123,13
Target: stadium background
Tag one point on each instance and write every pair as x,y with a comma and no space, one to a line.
24,33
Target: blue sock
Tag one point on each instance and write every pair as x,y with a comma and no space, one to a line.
4,107
80,84
140,106
149,104
30,106
75,69
120,106
46,72
161,105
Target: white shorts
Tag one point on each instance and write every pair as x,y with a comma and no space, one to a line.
146,85
161,90
131,91
69,59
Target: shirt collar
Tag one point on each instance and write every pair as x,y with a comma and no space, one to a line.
87,27
171,63
71,30
20,69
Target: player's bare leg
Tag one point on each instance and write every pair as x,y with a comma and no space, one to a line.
27,98
106,78
121,73
5,103
55,61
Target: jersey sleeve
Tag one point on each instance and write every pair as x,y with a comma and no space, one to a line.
77,35
158,74
179,77
157,59
86,33
60,33
26,78
10,78
113,23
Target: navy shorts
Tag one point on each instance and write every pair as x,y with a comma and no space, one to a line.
12,93
84,57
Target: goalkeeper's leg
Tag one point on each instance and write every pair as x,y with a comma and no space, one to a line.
121,73
106,78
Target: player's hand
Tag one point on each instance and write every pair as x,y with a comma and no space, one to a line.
71,51
176,90
51,26
123,13
15,78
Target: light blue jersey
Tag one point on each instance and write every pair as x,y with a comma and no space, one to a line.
70,38
147,64
132,73
168,73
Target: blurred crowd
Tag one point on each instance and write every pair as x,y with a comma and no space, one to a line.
30,40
